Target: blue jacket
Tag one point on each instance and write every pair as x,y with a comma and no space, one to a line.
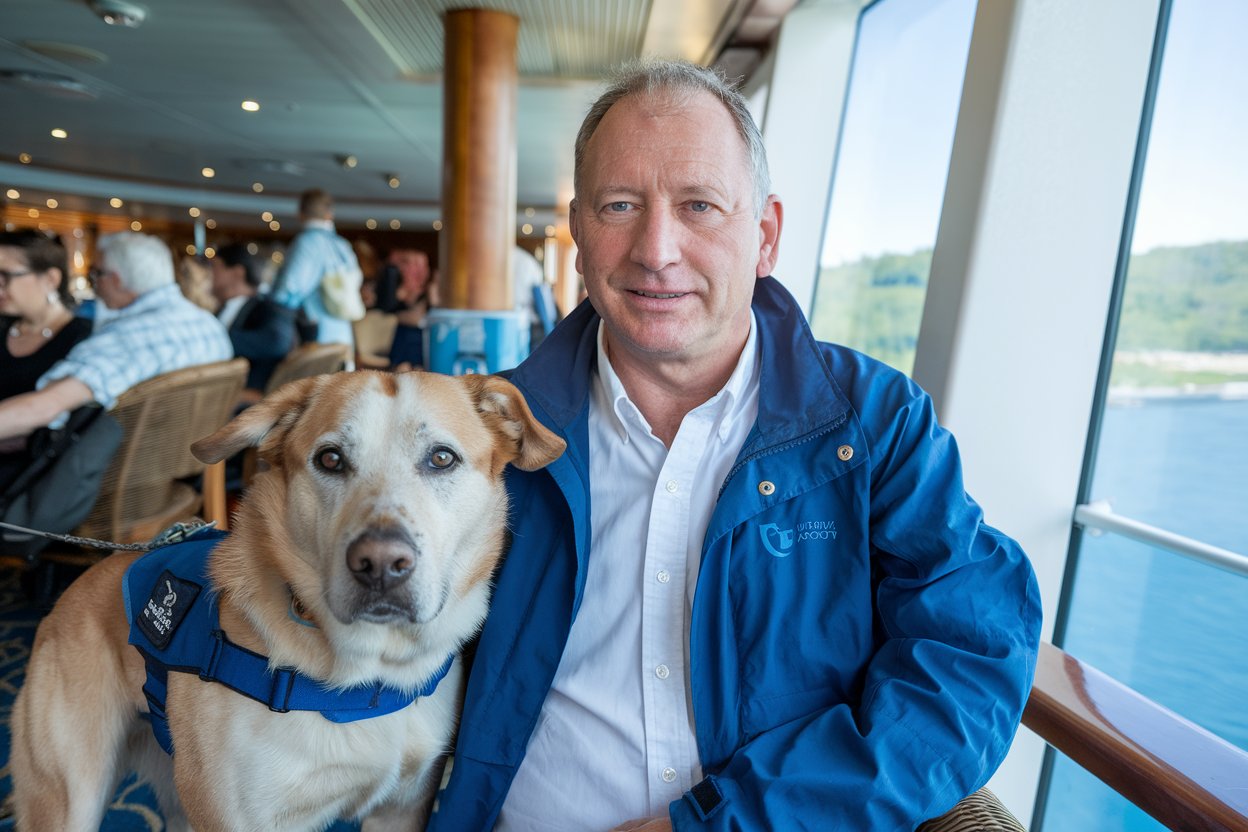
862,643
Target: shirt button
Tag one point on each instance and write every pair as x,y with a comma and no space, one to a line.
669,774
845,452
672,485
661,671
663,577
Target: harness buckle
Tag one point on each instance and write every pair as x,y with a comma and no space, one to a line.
283,686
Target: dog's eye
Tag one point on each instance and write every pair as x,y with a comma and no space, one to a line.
330,459
442,458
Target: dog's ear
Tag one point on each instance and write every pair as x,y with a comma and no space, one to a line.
522,440
249,428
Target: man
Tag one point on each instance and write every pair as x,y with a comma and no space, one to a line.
315,252
152,329
753,593
260,330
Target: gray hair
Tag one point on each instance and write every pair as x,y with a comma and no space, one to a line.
142,261
678,78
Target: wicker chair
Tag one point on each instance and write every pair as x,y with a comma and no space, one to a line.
160,418
980,812
308,360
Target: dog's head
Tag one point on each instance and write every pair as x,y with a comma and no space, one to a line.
390,486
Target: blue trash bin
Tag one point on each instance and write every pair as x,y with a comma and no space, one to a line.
461,341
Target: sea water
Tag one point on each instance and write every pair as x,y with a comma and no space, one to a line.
1173,629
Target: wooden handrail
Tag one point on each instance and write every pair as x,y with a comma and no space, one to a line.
1174,770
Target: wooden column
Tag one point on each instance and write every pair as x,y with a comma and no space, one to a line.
478,159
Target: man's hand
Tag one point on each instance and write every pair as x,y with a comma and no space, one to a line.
663,824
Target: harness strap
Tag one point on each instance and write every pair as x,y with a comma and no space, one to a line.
286,689
282,690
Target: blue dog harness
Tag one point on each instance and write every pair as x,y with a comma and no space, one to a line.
174,623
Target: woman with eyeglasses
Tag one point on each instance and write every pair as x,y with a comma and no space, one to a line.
36,309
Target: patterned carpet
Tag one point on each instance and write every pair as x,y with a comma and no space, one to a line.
134,807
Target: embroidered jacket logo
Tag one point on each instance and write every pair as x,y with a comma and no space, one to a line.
781,542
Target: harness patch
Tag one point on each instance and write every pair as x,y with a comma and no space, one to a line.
170,601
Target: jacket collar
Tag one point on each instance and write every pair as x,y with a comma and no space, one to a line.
797,393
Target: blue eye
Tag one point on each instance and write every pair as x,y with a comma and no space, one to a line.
617,207
700,207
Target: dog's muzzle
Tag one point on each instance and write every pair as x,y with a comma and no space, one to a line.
381,561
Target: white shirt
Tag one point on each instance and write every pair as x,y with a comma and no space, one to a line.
615,739
230,309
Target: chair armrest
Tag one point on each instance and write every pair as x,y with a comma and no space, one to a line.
1174,770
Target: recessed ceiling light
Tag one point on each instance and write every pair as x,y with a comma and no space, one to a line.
392,181
13,193
52,203
437,225
257,187
58,133
347,160
394,224
251,106
136,226
369,223
210,223
32,212
267,216
194,212
526,229
210,252
208,173
550,231
275,225
190,250
528,212
116,202
24,158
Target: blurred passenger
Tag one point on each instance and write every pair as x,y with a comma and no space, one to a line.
318,252
36,309
153,330
195,281
405,287
260,330
366,256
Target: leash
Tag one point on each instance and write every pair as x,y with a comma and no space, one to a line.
174,534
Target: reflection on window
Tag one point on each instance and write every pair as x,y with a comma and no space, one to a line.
891,167
1173,447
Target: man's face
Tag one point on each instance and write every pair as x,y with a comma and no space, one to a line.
107,285
225,279
666,231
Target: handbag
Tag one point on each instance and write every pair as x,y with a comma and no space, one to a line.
340,290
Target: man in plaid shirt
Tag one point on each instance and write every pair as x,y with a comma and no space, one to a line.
152,329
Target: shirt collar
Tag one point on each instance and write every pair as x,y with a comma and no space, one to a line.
731,400
324,225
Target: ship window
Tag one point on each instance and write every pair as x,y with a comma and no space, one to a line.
1169,445
889,179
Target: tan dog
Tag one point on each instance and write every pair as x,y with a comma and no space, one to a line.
363,555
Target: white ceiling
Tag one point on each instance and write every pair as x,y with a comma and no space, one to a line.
158,103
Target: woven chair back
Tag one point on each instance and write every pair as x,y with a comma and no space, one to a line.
160,418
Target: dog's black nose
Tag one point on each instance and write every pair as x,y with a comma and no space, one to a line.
380,560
